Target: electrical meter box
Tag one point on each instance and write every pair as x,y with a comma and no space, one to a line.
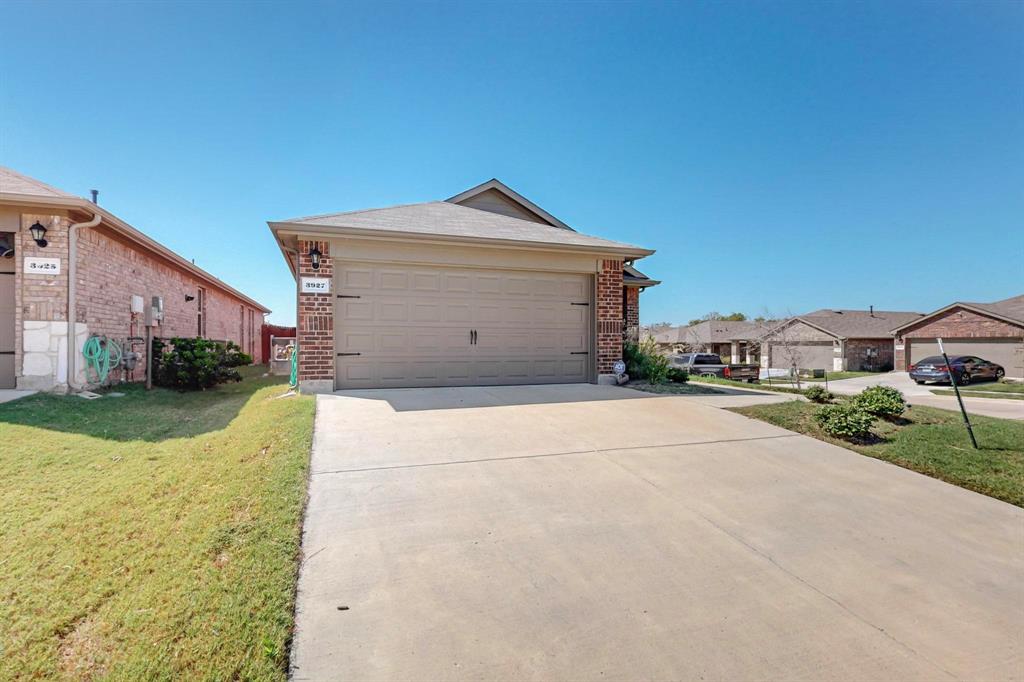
136,304
155,312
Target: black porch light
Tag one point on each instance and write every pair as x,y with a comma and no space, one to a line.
314,258
38,233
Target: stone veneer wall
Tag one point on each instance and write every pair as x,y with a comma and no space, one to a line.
609,318
315,329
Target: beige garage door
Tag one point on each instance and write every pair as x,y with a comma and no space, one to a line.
807,356
1006,352
398,325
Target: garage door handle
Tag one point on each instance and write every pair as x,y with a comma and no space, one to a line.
348,296
472,337
340,354
579,304
579,352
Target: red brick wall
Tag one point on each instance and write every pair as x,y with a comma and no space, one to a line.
631,301
956,323
110,271
609,315
315,319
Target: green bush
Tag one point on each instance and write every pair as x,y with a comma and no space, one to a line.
818,394
881,401
678,375
643,361
845,420
235,356
191,364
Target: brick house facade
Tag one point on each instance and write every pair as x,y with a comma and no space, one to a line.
114,262
993,331
483,288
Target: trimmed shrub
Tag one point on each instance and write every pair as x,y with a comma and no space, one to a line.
643,361
678,375
191,364
235,356
881,401
818,394
845,420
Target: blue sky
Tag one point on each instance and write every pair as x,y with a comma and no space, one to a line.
780,156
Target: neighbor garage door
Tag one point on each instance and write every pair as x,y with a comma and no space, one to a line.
808,356
398,325
1006,352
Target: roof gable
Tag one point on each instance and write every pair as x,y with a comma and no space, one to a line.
13,182
497,197
1008,310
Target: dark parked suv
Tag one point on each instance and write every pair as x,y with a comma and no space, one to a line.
965,369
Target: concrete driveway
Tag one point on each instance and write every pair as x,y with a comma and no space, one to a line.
922,395
596,533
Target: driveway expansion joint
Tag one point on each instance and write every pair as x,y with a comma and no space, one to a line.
593,451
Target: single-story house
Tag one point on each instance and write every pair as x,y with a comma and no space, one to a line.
63,257
482,288
992,331
835,340
737,340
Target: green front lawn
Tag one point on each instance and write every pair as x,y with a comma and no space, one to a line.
979,390
152,536
775,387
930,441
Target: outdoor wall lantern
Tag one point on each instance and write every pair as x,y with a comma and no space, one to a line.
189,297
38,233
314,258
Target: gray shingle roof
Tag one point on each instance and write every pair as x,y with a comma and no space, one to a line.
859,324
13,182
712,331
1012,307
441,218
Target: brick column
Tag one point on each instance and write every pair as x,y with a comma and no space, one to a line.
900,363
609,319
315,328
631,301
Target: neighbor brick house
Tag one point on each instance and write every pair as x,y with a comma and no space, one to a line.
992,331
483,288
835,340
112,262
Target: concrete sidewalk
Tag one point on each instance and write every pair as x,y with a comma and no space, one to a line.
597,533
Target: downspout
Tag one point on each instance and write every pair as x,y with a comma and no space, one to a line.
72,275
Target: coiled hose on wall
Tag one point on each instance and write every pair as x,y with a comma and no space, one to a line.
293,378
101,355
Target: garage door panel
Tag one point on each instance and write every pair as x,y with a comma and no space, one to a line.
411,326
807,356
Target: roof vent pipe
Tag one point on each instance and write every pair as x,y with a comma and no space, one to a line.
95,193
872,309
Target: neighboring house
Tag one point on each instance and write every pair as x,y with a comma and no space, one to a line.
993,331
483,288
739,341
112,263
835,340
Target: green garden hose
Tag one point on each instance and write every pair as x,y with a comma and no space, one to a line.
102,355
293,378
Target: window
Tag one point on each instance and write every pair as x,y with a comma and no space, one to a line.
252,333
241,327
201,312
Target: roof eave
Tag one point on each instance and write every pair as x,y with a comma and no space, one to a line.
123,228
967,306
297,229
